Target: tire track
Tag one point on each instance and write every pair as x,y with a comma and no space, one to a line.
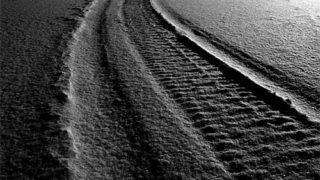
253,138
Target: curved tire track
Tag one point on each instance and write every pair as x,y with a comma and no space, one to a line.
253,138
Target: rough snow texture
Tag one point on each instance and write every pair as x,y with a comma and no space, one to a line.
130,98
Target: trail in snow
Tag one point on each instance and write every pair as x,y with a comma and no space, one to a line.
303,98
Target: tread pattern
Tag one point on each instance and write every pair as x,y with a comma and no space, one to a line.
251,138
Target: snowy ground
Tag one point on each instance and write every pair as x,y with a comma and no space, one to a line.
117,93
